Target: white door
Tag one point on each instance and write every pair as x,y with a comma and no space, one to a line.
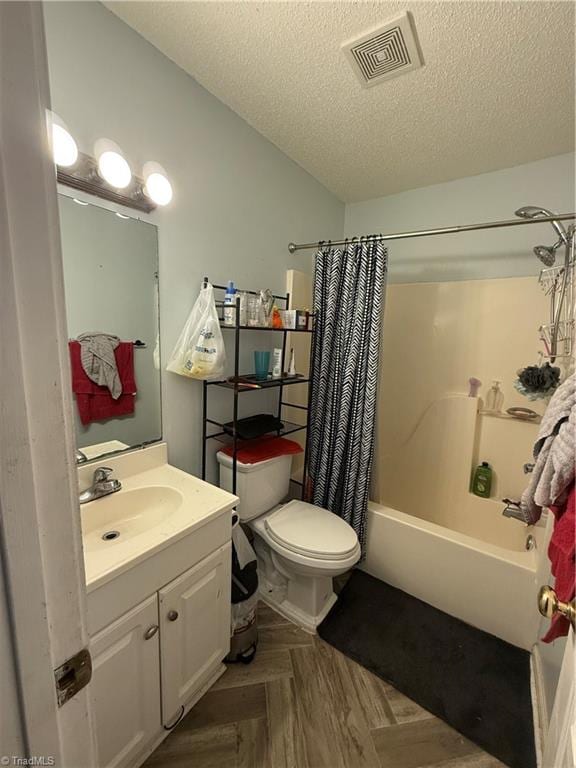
194,630
560,744
43,608
125,685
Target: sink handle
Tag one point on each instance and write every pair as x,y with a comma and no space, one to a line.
102,474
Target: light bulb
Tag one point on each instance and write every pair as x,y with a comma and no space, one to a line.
64,149
114,169
158,188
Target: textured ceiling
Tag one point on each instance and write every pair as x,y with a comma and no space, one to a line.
496,89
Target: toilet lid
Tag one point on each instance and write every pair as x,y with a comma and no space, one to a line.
311,530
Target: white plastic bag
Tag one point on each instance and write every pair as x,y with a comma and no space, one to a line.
199,352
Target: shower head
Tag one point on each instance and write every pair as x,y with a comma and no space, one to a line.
535,212
547,253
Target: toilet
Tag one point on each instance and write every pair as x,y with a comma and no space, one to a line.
300,547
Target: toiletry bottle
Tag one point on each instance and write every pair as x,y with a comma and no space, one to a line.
277,364
230,304
482,481
495,397
276,319
292,368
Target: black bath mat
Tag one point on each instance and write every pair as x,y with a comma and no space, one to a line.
475,682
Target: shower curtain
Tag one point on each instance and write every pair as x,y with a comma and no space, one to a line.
349,287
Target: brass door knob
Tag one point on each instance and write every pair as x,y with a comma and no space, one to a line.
172,615
549,605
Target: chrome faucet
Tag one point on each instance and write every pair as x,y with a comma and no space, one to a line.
81,457
514,510
102,485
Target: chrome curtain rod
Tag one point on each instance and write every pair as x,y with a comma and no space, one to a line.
293,247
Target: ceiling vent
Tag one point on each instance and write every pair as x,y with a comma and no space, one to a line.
385,52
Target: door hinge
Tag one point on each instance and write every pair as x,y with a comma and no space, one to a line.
73,675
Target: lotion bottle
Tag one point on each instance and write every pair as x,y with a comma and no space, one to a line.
494,398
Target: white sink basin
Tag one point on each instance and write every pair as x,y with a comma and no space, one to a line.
156,507
111,520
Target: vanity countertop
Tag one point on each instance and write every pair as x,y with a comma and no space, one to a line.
157,506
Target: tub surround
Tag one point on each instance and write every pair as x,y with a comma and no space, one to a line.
482,328
158,599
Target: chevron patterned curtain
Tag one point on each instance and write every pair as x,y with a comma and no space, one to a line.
349,286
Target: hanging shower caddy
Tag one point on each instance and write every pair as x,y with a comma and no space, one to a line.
557,336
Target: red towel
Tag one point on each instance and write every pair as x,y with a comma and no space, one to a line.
561,551
95,403
253,451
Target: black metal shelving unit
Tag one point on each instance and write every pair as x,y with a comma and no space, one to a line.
239,388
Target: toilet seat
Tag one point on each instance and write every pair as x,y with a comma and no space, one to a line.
310,531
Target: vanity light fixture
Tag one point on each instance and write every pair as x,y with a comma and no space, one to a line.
114,169
108,174
64,148
158,188
112,165
156,184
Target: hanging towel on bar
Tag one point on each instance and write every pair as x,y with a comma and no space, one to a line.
99,362
95,403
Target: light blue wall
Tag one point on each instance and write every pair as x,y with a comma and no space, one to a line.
238,200
487,197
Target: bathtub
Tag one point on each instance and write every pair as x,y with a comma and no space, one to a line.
481,573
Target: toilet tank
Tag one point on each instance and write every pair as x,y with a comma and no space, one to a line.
260,486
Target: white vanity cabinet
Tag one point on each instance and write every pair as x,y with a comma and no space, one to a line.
195,630
158,599
126,685
152,663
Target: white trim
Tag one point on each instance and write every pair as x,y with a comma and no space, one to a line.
558,749
40,524
539,706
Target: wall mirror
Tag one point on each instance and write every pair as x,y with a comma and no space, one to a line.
111,284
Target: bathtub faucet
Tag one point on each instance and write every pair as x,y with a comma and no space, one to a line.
513,509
